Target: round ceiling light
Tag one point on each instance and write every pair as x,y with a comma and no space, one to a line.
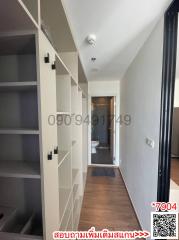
91,39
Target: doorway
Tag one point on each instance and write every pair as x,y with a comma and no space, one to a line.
102,130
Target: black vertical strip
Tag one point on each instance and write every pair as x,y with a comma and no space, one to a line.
167,99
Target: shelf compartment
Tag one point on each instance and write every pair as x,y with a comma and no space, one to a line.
64,184
14,13
63,89
15,224
23,224
18,192
28,225
64,194
18,109
61,69
62,156
66,215
20,169
18,68
21,148
18,58
70,223
71,61
33,226
32,6
15,236
52,14
6,214
64,136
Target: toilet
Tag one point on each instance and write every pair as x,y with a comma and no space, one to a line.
94,144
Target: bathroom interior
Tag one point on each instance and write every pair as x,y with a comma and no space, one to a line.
103,129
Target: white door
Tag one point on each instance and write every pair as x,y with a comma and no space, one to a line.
49,167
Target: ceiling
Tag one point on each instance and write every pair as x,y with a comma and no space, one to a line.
121,28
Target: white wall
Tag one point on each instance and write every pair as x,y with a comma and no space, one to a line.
140,97
176,98
105,88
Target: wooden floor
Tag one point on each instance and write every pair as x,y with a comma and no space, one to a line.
106,204
175,170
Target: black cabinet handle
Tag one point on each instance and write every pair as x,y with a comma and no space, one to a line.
49,157
47,58
56,150
53,66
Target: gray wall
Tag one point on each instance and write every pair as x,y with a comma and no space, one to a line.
140,97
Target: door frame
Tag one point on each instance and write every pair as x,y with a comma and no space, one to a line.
116,162
167,100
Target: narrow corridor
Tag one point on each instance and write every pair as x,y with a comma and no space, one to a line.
106,202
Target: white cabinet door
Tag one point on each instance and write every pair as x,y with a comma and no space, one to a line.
49,168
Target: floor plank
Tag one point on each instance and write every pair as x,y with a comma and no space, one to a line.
106,204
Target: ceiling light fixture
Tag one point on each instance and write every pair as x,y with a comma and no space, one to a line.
91,39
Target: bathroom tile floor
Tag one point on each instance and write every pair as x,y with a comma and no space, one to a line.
103,156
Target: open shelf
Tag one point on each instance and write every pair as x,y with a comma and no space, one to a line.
71,61
59,34
64,183
17,86
69,226
19,131
18,109
22,148
64,194
16,16
32,9
61,69
25,219
7,214
62,156
15,49
63,93
63,113
66,215
22,224
19,169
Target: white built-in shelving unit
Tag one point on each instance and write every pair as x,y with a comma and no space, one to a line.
43,98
